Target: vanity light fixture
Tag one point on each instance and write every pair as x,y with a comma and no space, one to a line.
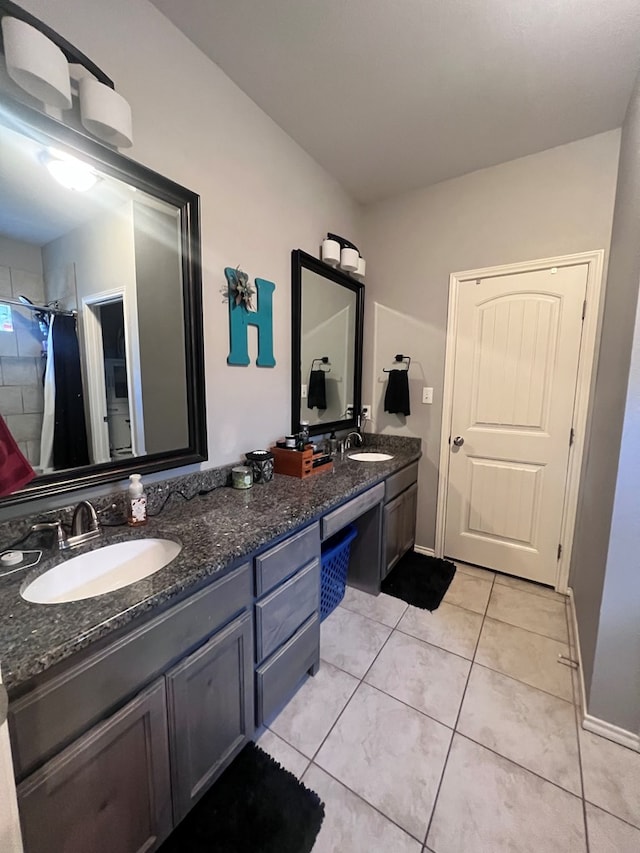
105,113
69,171
35,63
336,251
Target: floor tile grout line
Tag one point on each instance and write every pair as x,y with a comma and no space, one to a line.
362,799
526,683
429,643
464,693
393,627
551,596
517,764
360,681
624,820
335,723
528,630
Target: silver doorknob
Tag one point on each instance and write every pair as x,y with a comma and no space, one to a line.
458,441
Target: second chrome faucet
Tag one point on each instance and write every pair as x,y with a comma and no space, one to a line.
84,527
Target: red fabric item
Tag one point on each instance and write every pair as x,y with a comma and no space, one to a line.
15,470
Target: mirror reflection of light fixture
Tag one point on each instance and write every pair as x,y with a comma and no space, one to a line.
69,171
35,63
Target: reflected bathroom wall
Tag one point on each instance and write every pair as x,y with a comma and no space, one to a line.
328,330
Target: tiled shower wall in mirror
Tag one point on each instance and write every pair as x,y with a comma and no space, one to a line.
21,361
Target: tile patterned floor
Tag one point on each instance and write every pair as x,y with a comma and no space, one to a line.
455,731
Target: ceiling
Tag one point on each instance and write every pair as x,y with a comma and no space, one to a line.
391,95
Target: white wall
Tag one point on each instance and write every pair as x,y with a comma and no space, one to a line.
261,194
553,203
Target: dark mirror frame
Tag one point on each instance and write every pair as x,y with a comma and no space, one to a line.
300,261
49,131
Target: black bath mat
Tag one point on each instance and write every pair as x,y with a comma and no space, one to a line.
419,580
254,807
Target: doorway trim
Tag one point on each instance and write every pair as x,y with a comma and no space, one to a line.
94,355
586,366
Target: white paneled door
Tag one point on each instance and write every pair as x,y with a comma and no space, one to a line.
516,364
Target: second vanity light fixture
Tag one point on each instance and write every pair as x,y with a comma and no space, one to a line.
36,64
336,251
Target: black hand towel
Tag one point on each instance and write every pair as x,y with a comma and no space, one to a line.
396,398
317,391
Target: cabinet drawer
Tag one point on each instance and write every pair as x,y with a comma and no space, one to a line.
277,679
278,563
339,518
397,483
54,714
281,613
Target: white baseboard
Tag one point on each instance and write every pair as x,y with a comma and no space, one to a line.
420,549
578,651
614,733
595,724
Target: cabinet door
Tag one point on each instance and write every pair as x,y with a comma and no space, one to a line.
210,711
108,791
408,519
392,521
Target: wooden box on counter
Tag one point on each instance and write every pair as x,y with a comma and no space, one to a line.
297,463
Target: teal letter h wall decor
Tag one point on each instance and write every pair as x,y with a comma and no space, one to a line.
240,318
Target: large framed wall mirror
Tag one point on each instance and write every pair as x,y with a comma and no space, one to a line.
327,317
101,345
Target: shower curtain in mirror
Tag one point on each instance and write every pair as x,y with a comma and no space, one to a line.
64,431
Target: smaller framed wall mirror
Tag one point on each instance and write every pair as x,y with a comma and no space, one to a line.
326,358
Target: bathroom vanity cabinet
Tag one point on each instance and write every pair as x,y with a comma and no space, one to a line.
113,747
123,783
399,516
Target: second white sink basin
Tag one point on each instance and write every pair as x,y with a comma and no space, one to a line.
102,570
370,457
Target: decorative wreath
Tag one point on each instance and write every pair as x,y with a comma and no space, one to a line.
239,290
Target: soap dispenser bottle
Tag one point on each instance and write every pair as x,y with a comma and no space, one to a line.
137,501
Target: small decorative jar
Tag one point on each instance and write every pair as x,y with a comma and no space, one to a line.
261,462
241,477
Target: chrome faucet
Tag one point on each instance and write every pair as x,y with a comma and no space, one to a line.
347,441
61,536
84,527
85,524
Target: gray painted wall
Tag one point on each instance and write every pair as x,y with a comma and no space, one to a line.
554,203
160,328
606,549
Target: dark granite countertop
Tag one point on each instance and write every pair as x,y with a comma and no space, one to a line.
216,532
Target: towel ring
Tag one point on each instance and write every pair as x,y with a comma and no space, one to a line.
404,359
324,360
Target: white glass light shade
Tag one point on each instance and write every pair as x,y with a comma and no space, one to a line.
331,252
362,267
349,259
70,172
105,113
36,64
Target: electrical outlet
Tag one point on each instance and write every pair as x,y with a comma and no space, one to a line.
350,411
366,412
427,395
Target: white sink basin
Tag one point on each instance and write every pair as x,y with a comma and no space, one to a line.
370,457
103,570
